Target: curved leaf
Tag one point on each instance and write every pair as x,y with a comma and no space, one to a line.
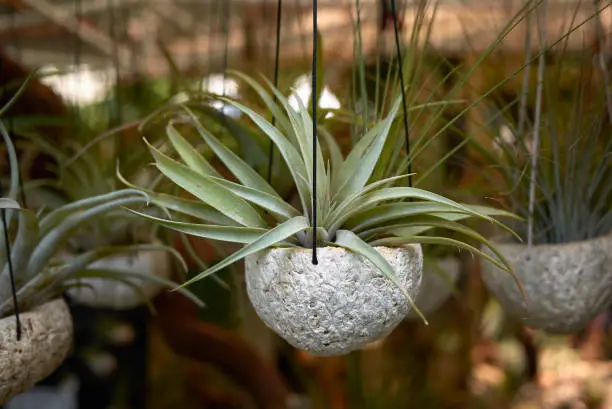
239,168
278,234
189,154
208,191
207,231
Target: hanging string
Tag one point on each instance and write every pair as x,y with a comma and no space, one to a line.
541,17
78,13
314,132
403,88
211,32
116,116
7,248
225,28
7,244
279,9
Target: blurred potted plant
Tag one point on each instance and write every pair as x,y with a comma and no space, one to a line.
86,168
558,177
34,275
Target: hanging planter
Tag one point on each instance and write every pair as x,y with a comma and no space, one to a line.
329,282
105,293
46,338
336,306
566,285
439,277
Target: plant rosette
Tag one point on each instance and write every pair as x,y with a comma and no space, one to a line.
45,341
336,306
566,284
106,293
367,231
439,278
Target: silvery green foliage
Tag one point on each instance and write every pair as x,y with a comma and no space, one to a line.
35,241
357,208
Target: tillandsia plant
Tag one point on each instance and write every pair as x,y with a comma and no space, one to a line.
41,272
574,172
357,215
84,167
34,275
558,175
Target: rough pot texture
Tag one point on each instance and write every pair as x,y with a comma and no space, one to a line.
437,285
336,306
567,285
108,293
45,341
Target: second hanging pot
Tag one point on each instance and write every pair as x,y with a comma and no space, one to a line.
567,284
337,306
439,277
103,293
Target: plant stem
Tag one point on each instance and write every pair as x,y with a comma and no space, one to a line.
526,76
537,119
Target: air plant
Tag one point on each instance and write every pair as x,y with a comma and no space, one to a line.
354,210
37,239
573,175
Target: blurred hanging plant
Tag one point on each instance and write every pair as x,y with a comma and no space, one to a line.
37,240
574,173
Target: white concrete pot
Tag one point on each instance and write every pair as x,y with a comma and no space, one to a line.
336,306
107,293
46,338
567,284
437,285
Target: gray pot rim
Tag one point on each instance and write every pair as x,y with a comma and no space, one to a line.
300,248
506,241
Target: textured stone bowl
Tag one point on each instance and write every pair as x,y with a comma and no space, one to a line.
46,338
337,306
436,286
107,293
567,285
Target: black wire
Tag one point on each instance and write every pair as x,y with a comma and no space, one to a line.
7,244
401,77
276,65
78,13
225,28
117,117
314,132
7,247
211,33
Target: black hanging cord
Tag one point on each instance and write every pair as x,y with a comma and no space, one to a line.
78,13
117,117
400,62
314,132
7,248
225,28
279,8
211,33
7,244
